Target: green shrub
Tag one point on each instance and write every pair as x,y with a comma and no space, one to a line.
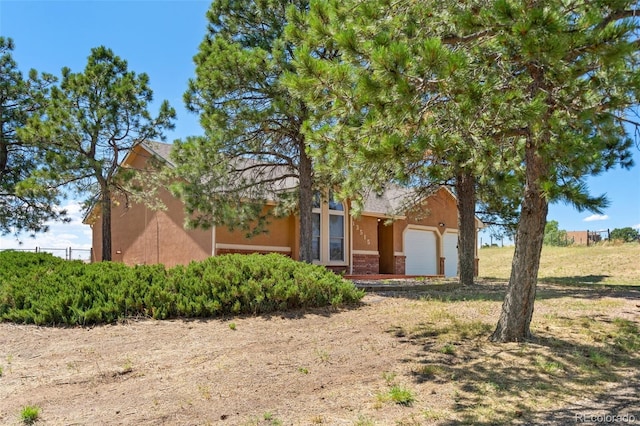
42,289
401,396
29,414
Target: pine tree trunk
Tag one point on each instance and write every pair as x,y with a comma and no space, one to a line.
4,155
106,225
305,200
466,192
517,308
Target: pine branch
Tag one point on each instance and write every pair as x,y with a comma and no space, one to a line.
455,39
618,15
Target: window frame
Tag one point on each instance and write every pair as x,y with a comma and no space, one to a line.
325,213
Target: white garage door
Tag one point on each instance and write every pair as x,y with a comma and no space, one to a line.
450,254
420,250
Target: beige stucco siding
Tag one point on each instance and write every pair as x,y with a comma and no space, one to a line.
439,208
143,236
365,233
280,237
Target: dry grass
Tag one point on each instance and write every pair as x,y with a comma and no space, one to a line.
586,349
414,359
600,264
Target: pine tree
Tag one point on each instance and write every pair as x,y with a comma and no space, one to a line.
26,203
92,120
253,150
577,65
532,95
399,101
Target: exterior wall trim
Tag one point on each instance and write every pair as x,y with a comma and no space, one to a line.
384,216
350,231
249,247
213,241
422,227
371,252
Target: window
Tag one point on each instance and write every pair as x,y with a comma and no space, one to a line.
315,224
329,230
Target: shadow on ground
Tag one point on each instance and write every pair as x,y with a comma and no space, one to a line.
619,404
581,379
491,289
584,279
549,380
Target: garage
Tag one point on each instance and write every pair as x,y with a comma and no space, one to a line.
450,254
420,251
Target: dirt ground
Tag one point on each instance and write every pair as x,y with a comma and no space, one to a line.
301,368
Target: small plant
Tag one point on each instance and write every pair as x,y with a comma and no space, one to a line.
388,377
303,370
429,371
488,388
272,420
627,336
127,367
232,326
323,355
205,392
73,366
435,414
549,367
401,396
0,371
30,414
363,421
598,360
448,349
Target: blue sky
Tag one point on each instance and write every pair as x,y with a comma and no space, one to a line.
160,38
157,37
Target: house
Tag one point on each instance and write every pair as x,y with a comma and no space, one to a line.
419,242
586,237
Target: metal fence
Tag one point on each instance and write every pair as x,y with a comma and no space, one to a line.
68,253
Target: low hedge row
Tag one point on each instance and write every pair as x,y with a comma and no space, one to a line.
42,289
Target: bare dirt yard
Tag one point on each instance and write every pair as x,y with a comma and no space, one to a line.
397,359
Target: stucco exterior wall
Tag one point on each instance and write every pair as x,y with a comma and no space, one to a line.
279,238
440,208
142,236
365,233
